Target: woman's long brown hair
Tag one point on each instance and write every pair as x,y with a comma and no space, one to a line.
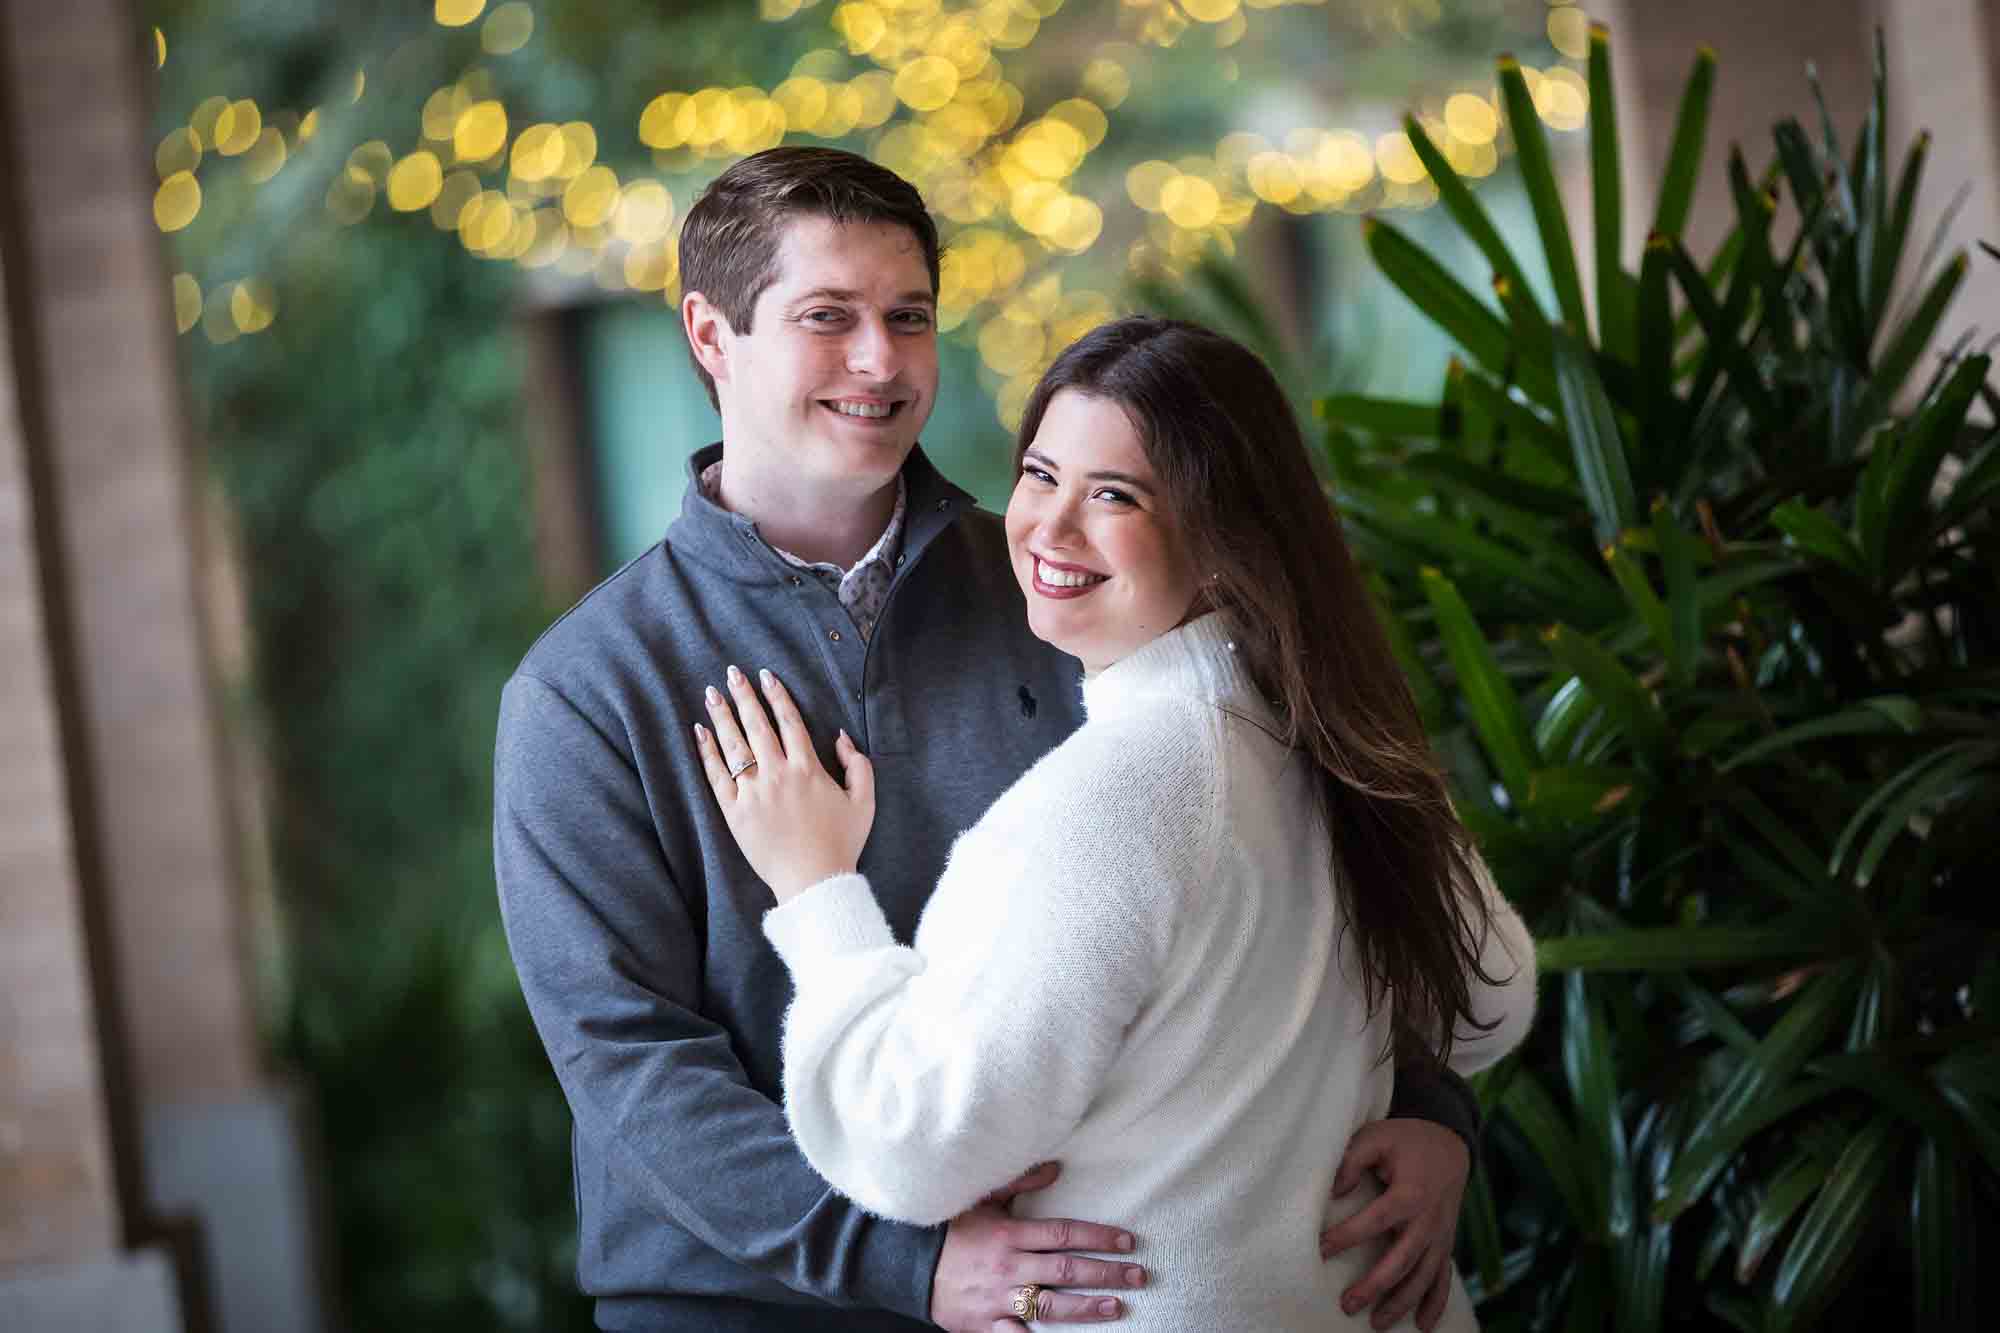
1239,483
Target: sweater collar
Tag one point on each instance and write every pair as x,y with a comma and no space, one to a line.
708,533
1197,660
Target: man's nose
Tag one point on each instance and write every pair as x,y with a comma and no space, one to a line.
872,350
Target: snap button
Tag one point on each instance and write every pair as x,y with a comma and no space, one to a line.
796,580
899,560
833,634
943,505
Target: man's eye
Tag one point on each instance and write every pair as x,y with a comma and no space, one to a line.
913,319
824,316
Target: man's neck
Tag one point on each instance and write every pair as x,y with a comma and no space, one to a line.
835,529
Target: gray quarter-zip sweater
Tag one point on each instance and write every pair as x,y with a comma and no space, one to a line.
635,923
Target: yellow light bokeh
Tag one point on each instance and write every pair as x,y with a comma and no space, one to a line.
267,156
877,92
1471,118
1009,24
1569,31
590,197
861,25
1106,81
1086,117
460,188
1211,11
177,201
579,148
218,324
1397,160
440,114
374,158
203,120
253,305
187,302
160,62
644,213
237,128
650,267
772,11
481,131
538,153
309,126
507,29
179,151
1274,177
927,83
1144,182
1190,202
415,182
1011,346
1562,98
458,13
351,196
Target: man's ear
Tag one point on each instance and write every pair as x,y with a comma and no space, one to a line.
708,333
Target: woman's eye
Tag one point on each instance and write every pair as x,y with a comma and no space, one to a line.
1030,470
1116,497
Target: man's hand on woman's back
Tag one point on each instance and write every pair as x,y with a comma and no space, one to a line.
989,1254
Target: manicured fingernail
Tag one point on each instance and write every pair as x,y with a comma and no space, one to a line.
768,679
1135,1276
1124,1240
714,696
700,732
735,676
1349,1304
1107,1307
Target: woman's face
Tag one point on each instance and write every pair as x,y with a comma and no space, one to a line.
1102,562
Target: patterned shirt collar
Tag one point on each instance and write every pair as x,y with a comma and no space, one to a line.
863,589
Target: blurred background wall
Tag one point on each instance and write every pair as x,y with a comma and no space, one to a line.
340,354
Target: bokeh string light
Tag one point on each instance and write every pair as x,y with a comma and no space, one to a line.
926,87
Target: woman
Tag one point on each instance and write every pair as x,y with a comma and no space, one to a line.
1173,954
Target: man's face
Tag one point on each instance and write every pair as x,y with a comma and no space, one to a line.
840,371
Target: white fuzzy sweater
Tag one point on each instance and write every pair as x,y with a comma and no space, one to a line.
1130,966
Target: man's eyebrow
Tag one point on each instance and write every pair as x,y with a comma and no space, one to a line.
848,294
1124,478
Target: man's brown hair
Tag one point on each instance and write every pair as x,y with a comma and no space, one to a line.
729,242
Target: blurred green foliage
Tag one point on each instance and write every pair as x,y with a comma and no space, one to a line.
374,464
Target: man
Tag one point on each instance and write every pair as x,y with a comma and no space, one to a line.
815,540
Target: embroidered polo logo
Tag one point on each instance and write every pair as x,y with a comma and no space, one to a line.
1027,702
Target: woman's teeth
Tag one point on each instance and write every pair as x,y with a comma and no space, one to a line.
863,409
1061,578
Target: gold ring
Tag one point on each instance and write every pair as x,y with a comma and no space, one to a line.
1027,1301
742,768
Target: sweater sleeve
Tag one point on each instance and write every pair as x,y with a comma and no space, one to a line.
1505,995
920,1079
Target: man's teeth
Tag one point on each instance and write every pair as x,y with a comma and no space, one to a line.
1059,578
862,409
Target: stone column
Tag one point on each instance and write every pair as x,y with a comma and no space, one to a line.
215,1143
1761,54
1944,76
64,1219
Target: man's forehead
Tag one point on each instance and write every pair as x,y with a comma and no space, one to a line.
817,252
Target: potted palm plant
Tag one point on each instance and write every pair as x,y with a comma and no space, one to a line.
1698,585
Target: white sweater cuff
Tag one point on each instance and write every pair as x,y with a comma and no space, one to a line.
835,916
